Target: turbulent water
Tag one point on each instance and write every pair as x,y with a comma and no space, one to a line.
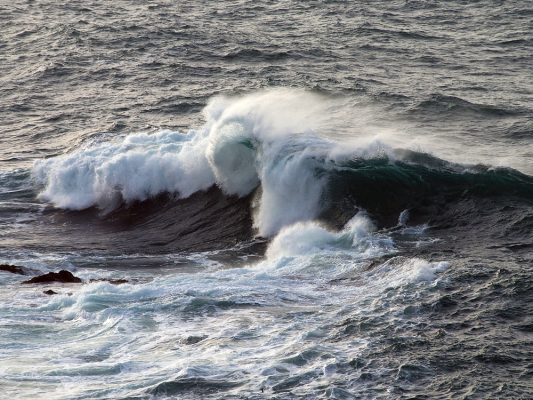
307,199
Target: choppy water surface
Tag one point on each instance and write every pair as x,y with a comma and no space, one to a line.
307,200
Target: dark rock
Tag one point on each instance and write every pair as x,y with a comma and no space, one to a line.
112,281
194,339
49,292
12,268
117,281
61,276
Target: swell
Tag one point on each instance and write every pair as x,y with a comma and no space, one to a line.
385,188
476,210
439,104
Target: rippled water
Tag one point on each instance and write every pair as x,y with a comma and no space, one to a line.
307,199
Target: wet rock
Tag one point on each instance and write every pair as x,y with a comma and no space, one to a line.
194,339
14,269
49,292
111,281
62,276
116,281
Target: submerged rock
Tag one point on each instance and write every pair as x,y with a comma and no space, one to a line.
14,269
61,276
49,292
111,281
194,339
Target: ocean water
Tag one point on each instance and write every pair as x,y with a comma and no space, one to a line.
306,200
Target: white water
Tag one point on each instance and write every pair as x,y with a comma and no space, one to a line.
262,325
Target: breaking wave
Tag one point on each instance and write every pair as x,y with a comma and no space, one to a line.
279,145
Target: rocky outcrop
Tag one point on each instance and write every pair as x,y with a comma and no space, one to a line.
14,269
111,281
62,276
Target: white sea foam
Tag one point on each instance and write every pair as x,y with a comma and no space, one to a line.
214,324
400,271
307,238
134,168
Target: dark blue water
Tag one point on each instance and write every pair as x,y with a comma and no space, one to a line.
320,199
